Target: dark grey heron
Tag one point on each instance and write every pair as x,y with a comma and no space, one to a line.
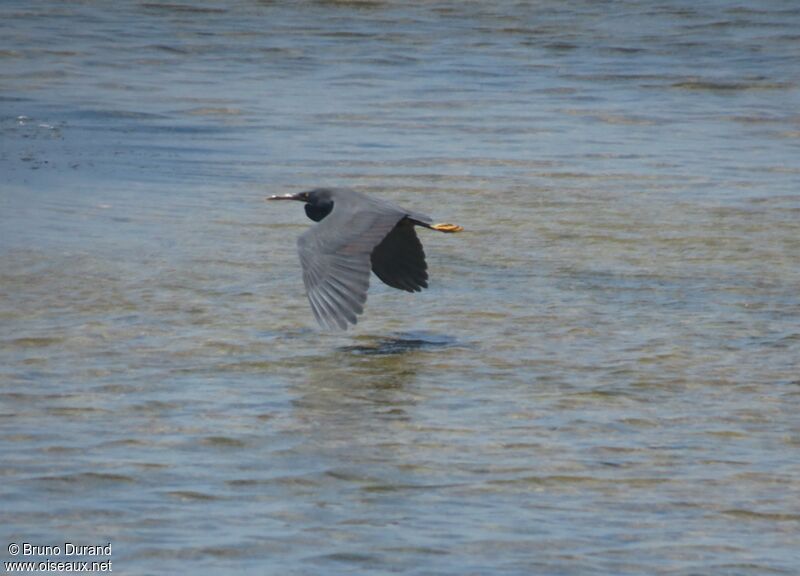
357,233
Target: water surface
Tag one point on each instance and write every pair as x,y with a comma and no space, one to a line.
601,379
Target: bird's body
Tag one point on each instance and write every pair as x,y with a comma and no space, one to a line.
357,233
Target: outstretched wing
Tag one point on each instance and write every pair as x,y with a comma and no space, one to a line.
335,255
399,260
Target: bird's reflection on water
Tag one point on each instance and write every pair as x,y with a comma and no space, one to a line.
366,382
402,343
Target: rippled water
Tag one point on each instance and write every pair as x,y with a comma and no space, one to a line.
602,378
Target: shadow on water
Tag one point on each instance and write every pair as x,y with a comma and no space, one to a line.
360,385
401,343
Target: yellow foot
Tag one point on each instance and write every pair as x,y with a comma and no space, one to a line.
447,227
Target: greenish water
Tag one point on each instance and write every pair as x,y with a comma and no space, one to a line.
601,379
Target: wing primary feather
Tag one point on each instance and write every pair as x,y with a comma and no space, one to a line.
344,295
357,293
337,307
315,310
319,312
330,312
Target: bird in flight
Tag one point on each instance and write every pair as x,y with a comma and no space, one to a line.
357,233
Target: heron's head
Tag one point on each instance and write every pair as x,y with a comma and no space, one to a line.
319,202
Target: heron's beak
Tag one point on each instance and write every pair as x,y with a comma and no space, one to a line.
287,197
